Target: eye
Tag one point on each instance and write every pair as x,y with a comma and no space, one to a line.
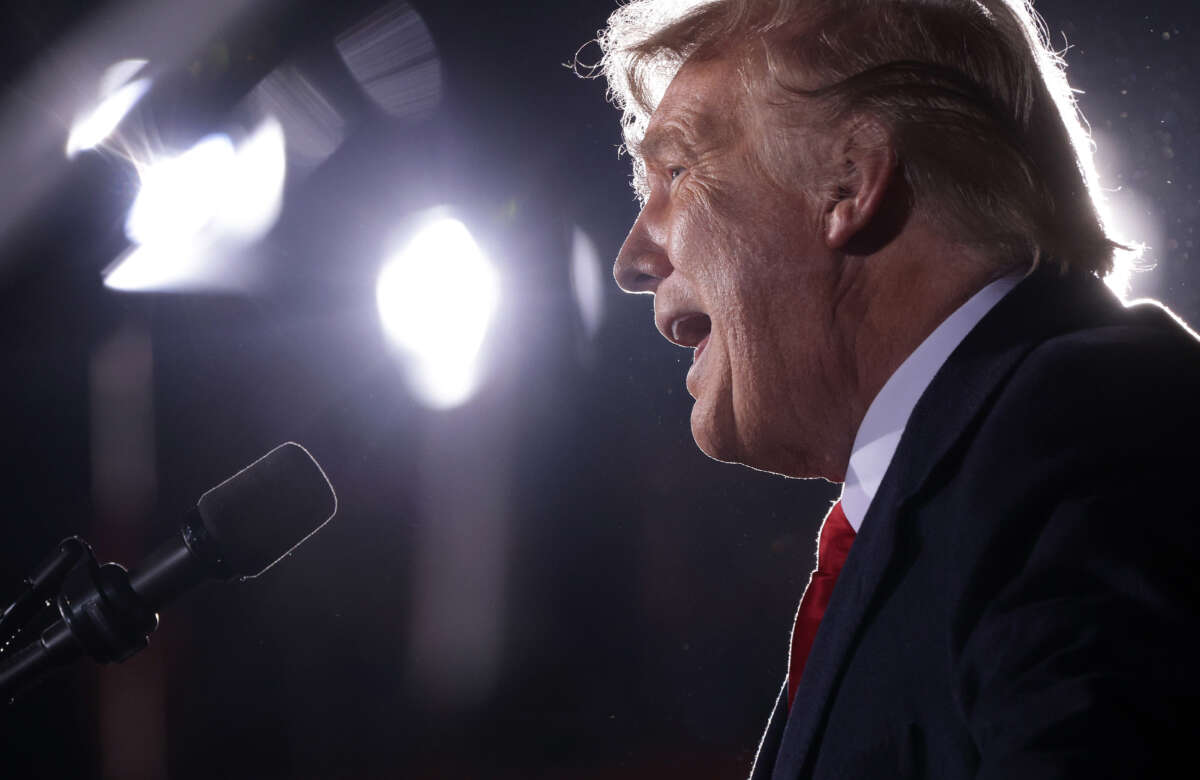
675,172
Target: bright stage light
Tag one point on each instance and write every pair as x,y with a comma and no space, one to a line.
196,210
180,196
436,299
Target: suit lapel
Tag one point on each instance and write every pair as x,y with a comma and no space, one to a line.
1035,310
860,576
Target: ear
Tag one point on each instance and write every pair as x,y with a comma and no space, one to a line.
864,175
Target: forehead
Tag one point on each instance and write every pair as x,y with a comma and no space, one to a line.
700,107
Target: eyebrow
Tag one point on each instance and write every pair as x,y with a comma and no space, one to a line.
685,132
662,141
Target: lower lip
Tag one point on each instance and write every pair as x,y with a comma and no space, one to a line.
699,348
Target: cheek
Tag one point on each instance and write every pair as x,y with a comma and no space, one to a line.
695,223
746,259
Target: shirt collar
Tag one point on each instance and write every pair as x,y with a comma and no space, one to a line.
884,422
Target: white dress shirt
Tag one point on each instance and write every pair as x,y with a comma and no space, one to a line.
884,422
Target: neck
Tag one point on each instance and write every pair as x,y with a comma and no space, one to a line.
891,301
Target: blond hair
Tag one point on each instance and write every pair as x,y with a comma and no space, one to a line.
985,125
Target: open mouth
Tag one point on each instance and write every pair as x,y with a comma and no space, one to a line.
691,331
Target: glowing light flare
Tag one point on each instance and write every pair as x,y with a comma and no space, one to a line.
117,99
154,268
587,280
1133,219
199,266
195,211
120,73
253,193
180,196
1129,217
436,300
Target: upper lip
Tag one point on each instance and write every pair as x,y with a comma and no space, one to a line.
684,327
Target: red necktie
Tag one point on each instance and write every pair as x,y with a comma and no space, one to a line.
832,548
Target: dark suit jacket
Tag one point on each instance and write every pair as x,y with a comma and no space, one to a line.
1023,598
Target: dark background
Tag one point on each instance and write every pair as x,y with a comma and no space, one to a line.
549,581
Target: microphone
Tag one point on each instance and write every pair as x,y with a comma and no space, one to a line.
242,527
237,530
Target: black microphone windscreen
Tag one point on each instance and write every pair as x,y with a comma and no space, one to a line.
267,509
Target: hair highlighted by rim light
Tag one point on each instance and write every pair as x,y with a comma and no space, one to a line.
989,136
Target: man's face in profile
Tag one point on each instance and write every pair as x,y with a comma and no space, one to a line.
734,255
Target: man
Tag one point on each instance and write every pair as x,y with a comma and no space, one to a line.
874,222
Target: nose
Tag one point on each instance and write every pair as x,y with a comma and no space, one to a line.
642,262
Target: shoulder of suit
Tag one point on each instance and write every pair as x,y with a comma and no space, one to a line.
1136,374
1143,342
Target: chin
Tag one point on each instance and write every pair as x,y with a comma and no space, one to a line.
721,442
714,440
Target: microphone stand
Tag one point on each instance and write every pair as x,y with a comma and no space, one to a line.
102,616
40,586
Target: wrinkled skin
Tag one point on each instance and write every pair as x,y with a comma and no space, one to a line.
801,332
716,237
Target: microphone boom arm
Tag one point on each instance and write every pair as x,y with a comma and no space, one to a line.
238,529
102,617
